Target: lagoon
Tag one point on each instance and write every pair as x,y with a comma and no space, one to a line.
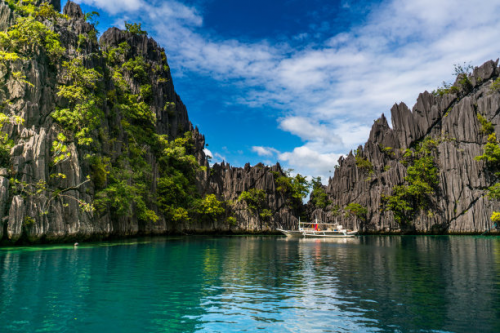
252,283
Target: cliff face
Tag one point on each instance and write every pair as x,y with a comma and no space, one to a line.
459,204
95,122
117,164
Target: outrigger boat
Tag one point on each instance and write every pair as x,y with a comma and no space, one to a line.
319,230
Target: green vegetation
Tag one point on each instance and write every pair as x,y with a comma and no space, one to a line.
495,217
421,183
447,88
135,28
294,188
362,162
83,114
491,156
91,17
495,85
491,152
30,32
177,192
356,210
5,143
486,126
462,72
318,194
256,203
387,151
211,207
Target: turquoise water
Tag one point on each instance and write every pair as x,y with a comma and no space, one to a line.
248,284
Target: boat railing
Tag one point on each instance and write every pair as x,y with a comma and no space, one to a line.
320,226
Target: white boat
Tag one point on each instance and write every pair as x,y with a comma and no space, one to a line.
319,230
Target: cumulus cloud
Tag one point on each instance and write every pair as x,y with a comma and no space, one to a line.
310,131
309,162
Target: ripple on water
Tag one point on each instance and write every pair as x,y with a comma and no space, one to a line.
238,284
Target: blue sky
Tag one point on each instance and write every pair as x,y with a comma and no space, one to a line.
301,82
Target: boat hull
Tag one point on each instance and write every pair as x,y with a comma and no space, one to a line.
328,235
291,233
317,234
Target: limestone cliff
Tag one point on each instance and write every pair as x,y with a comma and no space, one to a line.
459,204
105,146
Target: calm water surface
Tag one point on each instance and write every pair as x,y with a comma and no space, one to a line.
269,284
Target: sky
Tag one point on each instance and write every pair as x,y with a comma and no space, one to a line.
301,82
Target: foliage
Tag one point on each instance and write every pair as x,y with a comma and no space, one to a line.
421,183
318,194
176,187
6,143
362,162
495,85
297,187
28,33
137,67
100,168
447,88
465,69
300,187
255,199
60,150
356,210
135,28
83,114
211,207
231,220
126,189
494,192
495,217
336,210
48,193
491,152
462,72
486,126
117,54
91,17
388,151
265,214
492,157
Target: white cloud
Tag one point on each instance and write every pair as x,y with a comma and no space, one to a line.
311,131
309,162
330,93
264,151
114,6
208,152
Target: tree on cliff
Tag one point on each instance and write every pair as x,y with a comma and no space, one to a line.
318,194
356,210
256,203
420,184
492,158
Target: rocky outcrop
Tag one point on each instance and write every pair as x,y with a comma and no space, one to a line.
459,205
228,182
37,204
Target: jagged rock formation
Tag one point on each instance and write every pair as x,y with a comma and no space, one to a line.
460,205
229,182
29,215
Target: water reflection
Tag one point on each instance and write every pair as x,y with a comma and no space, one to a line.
387,284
